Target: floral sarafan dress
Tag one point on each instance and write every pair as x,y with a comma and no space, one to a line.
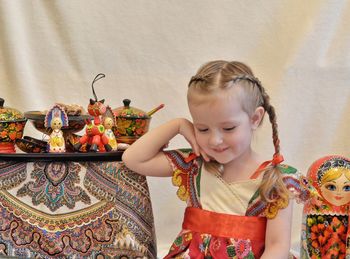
223,220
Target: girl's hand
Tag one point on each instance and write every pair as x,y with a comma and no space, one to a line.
186,129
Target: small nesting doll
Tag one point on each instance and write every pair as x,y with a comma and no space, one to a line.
109,122
55,119
325,215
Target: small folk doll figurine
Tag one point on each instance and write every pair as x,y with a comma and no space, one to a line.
109,122
325,217
94,133
56,118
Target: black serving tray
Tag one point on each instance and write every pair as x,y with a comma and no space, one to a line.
62,157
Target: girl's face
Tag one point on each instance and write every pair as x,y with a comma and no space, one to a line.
337,191
223,129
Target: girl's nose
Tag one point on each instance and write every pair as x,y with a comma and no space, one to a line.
215,139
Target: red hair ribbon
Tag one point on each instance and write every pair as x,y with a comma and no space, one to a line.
191,157
277,159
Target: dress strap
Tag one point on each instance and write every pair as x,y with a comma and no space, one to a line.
225,225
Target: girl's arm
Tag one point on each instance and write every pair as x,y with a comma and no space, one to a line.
278,232
145,155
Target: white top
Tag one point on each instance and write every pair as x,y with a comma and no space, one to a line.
231,198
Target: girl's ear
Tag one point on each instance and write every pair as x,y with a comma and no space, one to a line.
257,117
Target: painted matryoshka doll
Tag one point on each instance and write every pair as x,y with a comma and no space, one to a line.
55,119
325,216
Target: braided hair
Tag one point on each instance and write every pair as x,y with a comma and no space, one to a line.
223,74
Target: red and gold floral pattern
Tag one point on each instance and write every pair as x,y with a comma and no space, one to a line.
10,131
207,246
327,236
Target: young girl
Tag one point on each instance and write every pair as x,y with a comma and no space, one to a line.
238,205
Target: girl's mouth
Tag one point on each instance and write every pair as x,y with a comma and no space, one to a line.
219,150
338,197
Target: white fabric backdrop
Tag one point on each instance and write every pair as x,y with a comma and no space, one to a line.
50,51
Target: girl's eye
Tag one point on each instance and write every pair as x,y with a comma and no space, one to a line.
229,129
331,187
346,188
202,130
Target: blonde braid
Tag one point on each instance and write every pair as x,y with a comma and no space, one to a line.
197,78
272,185
272,117
266,105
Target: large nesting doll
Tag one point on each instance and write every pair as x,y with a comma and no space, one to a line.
326,214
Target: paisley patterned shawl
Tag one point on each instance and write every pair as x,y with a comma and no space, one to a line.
74,210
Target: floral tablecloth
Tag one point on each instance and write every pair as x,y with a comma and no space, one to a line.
74,210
